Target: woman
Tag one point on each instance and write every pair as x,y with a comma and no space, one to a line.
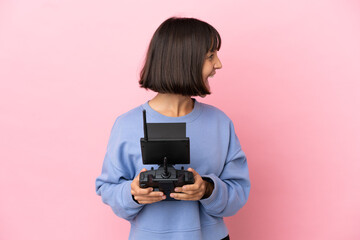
182,55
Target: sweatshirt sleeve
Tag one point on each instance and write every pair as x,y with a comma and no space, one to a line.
113,185
232,186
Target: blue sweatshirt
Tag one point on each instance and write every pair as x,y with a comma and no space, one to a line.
215,153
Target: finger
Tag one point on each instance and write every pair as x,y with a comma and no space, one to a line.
195,186
148,192
179,196
137,178
190,187
184,196
136,190
155,194
193,171
188,190
135,183
197,176
198,179
178,189
149,199
191,193
142,170
149,202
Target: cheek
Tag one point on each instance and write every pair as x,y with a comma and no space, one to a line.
203,75
207,69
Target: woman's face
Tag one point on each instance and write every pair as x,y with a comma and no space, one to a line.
211,63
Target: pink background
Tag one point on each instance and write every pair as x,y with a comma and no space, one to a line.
290,82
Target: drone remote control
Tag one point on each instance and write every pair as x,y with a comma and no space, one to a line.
166,178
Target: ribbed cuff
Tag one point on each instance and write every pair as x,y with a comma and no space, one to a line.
209,180
206,202
129,200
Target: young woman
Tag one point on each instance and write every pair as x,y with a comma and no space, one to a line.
182,55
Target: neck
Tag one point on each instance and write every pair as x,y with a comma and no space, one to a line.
172,105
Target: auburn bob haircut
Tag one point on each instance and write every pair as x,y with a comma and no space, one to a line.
176,55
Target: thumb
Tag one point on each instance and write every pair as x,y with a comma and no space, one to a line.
138,176
197,176
193,171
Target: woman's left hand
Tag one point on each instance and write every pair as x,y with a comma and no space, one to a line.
193,192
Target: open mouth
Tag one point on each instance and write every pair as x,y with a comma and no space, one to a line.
212,74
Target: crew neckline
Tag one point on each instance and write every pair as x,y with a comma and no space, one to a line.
156,116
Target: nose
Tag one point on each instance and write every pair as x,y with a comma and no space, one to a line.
218,64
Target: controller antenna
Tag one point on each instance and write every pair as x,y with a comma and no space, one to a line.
145,126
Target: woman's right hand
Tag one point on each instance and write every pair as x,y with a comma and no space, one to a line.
145,195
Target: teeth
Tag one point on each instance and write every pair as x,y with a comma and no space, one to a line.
212,74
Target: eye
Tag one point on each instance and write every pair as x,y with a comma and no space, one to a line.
211,56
